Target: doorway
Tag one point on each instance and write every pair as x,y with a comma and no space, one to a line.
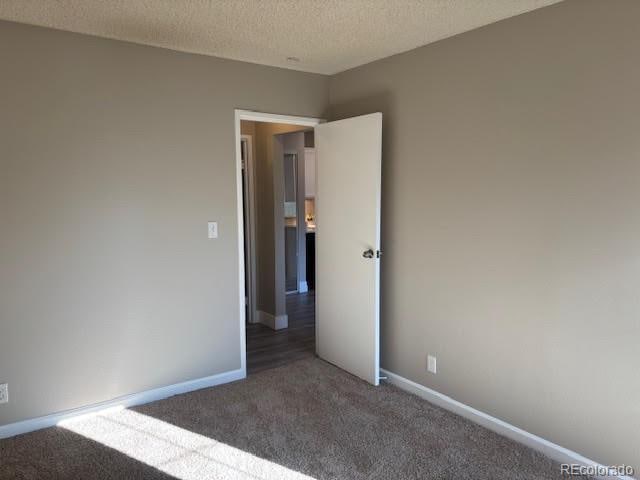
279,308
344,328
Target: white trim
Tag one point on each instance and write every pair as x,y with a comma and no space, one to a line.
240,215
379,248
303,287
125,401
250,115
271,321
550,449
253,116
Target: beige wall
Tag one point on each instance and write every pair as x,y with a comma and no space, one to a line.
270,217
114,157
511,180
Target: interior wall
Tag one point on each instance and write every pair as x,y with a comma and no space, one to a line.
511,232
114,157
270,217
248,128
295,143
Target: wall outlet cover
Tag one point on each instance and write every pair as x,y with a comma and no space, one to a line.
432,364
212,228
4,393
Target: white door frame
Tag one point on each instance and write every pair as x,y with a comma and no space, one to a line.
252,116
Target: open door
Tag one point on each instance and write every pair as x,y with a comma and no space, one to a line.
348,162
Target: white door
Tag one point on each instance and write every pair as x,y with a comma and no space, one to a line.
348,160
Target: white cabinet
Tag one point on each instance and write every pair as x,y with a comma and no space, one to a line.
309,173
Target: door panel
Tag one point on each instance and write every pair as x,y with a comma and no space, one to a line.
348,183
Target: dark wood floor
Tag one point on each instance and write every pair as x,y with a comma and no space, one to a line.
267,348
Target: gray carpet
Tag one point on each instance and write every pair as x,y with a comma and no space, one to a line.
304,420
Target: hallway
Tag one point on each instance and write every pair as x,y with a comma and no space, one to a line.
267,348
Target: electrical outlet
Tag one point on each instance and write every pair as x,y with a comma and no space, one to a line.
212,229
432,364
4,393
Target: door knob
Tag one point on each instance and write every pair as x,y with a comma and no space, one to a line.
367,253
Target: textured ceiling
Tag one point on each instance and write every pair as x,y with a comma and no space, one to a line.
327,36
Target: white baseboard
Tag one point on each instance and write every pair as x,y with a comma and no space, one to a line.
550,449
281,321
134,399
255,318
271,321
303,287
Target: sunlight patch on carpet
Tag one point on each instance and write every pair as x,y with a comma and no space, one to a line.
173,450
